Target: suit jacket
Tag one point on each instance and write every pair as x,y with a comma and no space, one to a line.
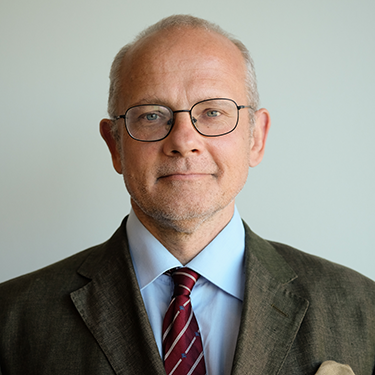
85,315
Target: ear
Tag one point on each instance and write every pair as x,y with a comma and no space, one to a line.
260,132
106,133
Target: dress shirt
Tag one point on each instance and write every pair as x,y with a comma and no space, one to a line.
216,298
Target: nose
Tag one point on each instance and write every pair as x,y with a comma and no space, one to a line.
183,139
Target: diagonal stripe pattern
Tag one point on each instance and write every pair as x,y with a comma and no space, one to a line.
182,344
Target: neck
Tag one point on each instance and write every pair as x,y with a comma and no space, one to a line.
185,239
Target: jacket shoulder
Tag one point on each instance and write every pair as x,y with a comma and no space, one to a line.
55,279
63,276
318,272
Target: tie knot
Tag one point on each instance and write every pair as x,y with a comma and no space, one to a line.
184,279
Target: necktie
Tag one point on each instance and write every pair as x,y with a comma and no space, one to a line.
182,344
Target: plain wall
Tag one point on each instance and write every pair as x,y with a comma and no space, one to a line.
315,65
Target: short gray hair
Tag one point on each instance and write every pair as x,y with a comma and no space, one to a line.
180,21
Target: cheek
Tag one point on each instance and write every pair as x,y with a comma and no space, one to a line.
235,151
137,161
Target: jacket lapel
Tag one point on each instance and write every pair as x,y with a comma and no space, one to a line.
271,315
112,308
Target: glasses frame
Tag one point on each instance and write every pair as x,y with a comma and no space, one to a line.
192,119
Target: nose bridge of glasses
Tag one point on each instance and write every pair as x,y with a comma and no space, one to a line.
187,111
182,110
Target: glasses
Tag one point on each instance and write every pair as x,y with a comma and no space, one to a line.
153,122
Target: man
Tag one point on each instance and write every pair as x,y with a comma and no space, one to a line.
184,128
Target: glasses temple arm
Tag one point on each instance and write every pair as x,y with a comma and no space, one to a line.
245,106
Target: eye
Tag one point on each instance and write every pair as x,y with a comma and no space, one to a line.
151,116
213,113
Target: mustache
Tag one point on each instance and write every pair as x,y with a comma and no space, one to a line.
186,166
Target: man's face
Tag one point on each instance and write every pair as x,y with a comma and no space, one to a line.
186,178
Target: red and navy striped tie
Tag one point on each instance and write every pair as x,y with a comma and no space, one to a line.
182,344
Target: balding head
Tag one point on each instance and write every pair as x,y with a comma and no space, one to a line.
178,22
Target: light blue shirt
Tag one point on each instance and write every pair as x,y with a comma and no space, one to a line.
216,298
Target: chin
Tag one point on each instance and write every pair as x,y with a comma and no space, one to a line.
184,218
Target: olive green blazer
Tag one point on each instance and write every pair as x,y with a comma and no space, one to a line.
85,315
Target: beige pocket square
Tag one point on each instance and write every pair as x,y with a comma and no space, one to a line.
334,368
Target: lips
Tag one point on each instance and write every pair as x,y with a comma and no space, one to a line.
185,176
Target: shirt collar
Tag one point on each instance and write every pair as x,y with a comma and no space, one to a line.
221,261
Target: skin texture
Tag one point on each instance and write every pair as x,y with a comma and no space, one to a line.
183,188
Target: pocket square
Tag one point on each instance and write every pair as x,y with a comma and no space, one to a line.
334,368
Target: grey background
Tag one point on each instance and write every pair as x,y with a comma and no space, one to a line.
315,65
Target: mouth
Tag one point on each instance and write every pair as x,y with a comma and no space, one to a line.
184,176
187,170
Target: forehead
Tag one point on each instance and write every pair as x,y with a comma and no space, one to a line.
182,60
